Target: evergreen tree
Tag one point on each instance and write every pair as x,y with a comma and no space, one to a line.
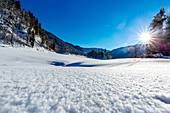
32,38
18,4
36,27
11,41
43,36
167,29
51,44
167,38
156,29
100,54
92,54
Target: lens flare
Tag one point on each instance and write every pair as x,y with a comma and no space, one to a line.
145,37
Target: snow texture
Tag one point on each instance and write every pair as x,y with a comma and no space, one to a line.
45,82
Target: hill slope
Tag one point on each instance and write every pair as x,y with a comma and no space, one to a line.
63,47
21,28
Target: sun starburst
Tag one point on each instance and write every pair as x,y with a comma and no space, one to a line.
145,37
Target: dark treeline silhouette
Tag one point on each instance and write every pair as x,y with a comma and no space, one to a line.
99,54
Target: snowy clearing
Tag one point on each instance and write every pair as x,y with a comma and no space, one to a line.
45,82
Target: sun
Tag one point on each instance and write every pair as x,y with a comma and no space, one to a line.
145,37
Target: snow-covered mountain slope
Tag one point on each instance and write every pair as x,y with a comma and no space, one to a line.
21,28
65,47
35,81
132,51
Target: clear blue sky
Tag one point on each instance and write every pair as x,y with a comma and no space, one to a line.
95,23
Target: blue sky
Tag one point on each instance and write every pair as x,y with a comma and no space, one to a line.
96,23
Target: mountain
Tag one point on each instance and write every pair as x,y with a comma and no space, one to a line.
65,47
136,51
133,51
21,28
91,49
123,52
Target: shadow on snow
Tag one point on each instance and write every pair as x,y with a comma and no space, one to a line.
76,64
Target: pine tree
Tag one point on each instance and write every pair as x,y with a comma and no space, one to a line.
167,29
156,30
100,54
51,44
43,36
18,4
167,37
11,41
32,39
92,54
36,26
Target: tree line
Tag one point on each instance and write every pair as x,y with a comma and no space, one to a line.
20,20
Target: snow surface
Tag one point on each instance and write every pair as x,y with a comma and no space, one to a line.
44,82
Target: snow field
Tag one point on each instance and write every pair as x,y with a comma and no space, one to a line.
30,83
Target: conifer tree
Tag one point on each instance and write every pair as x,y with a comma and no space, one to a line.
51,44
156,30
18,4
32,38
11,41
167,29
36,26
167,37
